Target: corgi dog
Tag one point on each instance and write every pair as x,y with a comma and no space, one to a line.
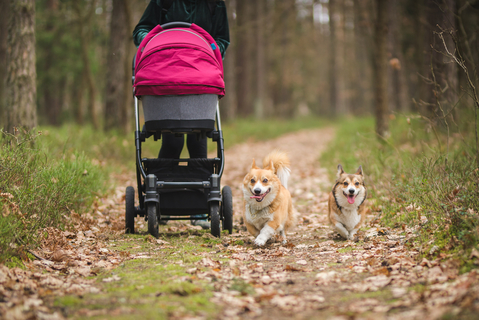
346,203
268,205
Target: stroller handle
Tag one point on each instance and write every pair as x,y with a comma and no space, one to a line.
176,24
133,69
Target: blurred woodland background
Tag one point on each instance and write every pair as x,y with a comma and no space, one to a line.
70,61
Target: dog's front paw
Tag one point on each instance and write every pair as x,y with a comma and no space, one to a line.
344,236
343,232
260,240
352,235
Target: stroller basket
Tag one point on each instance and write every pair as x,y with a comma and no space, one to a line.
189,170
172,202
175,113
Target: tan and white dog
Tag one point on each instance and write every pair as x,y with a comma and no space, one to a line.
268,205
346,203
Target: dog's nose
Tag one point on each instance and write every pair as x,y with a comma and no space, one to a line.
257,191
351,191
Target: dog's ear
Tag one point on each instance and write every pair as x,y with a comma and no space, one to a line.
270,166
360,171
253,165
340,170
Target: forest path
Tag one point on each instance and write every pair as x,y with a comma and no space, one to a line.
96,271
318,275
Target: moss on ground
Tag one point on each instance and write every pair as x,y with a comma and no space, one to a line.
152,287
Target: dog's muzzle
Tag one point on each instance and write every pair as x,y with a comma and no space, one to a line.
259,197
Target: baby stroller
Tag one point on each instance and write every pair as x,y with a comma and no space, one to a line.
178,75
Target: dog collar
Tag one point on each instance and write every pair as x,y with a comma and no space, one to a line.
336,200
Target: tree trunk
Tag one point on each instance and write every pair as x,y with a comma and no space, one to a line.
333,59
87,72
79,98
398,88
4,15
260,60
286,69
418,87
51,104
229,102
126,119
21,73
380,68
115,74
443,72
244,59
359,85
343,77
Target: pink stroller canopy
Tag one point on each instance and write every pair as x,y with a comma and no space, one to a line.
178,61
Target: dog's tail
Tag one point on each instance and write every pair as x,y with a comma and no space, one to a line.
278,161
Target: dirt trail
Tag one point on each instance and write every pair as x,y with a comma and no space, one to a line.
316,275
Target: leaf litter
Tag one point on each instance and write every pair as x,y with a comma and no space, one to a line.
316,274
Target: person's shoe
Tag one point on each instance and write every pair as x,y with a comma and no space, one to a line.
205,224
163,222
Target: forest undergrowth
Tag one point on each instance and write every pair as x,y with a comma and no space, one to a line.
418,177
40,189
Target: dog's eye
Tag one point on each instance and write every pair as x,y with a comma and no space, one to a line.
357,184
252,181
265,180
346,184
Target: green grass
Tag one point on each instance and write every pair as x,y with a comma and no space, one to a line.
416,177
345,250
39,189
108,149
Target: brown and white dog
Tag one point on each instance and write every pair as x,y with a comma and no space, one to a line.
268,205
346,203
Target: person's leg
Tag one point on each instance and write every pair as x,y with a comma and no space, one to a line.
171,146
197,149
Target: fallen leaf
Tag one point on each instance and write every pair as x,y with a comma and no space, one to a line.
384,271
292,268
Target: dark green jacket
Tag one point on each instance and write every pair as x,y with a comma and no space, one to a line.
215,21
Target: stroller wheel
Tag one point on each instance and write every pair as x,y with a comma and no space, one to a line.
151,209
215,219
130,210
227,209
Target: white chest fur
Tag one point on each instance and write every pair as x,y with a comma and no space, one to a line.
349,217
258,218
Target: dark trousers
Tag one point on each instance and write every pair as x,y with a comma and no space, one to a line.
172,146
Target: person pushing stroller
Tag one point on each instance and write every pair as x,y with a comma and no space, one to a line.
209,15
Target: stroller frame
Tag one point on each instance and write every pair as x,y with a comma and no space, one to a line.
150,186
